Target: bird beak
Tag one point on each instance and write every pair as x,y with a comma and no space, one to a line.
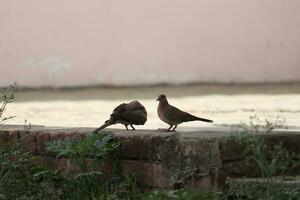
157,99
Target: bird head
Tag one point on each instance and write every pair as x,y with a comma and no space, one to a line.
162,98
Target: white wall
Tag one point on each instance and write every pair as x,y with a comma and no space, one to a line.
75,42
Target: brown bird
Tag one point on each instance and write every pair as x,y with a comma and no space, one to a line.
127,114
172,115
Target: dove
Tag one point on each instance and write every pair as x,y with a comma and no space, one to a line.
174,116
129,114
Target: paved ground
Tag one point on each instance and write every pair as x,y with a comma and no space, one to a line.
223,104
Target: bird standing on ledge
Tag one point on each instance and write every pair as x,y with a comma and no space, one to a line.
127,114
172,115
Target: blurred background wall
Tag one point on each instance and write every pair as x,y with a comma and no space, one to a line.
129,42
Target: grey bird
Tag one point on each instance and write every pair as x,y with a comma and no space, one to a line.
172,115
132,113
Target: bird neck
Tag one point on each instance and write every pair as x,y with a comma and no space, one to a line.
164,102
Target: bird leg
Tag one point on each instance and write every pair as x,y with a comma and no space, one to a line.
126,127
175,126
169,129
132,127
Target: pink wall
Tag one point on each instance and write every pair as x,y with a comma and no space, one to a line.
75,42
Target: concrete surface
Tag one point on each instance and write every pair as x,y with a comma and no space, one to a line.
60,108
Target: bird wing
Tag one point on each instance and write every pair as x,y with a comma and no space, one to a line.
120,108
178,116
133,113
138,117
135,105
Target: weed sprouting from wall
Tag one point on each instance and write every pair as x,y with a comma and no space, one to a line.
24,176
273,160
6,96
89,155
20,178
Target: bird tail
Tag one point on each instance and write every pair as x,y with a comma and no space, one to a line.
106,124
204,120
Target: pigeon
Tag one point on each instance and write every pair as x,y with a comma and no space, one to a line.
129,114
174,116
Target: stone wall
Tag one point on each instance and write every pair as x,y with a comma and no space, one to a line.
201,159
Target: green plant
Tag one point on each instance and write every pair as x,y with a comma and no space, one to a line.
23,176
90,154
6,96
272,159
20,178
99,147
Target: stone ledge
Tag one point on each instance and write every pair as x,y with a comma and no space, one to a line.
198,158
288,181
